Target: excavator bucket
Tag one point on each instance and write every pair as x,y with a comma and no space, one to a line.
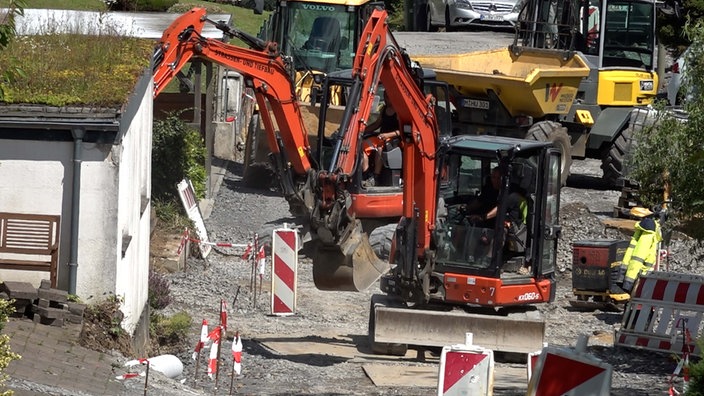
348,266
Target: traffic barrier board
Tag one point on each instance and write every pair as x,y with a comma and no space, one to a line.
188,199
663,307
466,370
284,262
567,373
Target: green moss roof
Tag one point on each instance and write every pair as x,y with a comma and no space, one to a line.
73,69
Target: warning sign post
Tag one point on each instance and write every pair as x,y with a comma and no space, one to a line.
466,370
284,267
566,372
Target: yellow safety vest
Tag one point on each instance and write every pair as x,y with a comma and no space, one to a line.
642,252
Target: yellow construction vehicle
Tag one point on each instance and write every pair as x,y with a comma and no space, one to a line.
315,37
613,41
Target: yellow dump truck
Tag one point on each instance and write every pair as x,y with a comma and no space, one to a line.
573,74
502,92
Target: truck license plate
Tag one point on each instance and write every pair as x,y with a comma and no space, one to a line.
475,104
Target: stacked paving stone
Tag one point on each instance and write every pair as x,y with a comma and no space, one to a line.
23,293
45,305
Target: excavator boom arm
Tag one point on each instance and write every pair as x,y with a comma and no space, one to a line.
382,58
264,68
378,60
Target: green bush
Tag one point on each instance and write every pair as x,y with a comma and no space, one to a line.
178,152
671,152
171,331
6,355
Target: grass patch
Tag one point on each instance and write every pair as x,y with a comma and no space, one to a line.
73,69
242,18
85,5
97,70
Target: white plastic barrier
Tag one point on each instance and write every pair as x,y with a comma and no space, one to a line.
169,365
664,308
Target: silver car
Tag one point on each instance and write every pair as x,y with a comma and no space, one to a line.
452,14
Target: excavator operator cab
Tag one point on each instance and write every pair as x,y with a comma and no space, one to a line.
509,243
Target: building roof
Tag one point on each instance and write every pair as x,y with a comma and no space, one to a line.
148,25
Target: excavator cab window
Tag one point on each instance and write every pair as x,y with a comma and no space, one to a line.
465,182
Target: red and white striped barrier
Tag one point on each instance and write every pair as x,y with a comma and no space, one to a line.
203,339
660,303
568,373
237,353
466,370
186,237
284,271
215,337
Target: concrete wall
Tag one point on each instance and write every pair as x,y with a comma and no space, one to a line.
134,208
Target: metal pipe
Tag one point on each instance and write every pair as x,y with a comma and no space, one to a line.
78,135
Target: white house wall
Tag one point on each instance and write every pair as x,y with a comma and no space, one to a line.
132,277
37,177
32,179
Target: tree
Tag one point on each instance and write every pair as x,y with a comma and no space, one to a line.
669,22
671,152
7,33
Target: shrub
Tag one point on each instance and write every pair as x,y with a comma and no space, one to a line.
159,291
178,151
171,331
6,355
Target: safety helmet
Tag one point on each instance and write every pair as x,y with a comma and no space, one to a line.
640,211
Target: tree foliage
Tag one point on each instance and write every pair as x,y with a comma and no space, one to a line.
6,355
670,32
178,151
7,33
672,151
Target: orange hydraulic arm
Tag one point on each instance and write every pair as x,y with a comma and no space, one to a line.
379,59
262,67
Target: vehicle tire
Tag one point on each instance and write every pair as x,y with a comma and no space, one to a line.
380,238
613,160
550,131
382,348
448,22
255,174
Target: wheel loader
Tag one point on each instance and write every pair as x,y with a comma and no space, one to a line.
447,274
609,45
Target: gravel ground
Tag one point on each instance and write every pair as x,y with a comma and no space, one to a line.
327,316
338,317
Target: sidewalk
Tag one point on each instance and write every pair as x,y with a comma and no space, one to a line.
53,362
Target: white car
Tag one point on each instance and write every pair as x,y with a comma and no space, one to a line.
677,89
457,13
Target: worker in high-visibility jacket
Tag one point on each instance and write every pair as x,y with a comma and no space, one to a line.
642,252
